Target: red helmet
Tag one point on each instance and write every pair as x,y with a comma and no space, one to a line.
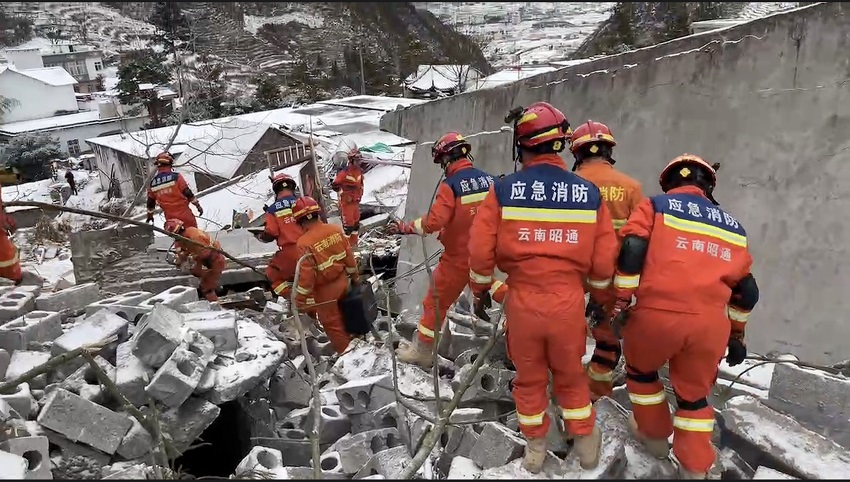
163,159
305,206
683,163
284,179
173,225
540,123
453,145
590,132
355,155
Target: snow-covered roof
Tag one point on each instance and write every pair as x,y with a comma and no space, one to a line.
146,144
32,191
56,76
384,104
440,77
506,76
223,147
54,123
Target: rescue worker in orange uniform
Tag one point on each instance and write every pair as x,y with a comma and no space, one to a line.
281,227
10,264
454,208
592,146
208,265
349,186
170,191
325,276
550,232
686,261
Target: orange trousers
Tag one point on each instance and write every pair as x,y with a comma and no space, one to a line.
281,270
547,331
327,296
349,213
450,278
209,271
693,345
606,355
186,215
10,264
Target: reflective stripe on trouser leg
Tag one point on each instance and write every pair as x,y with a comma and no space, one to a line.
449,281
692,438
649,403
600,370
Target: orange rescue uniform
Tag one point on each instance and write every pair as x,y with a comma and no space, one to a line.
324,278
10,264
621,194
208,264
549,231
454,208
696,254
349,184
281,226
170,191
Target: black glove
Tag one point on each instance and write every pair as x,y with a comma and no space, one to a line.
619,316
149,218
481,304
737,352
594,313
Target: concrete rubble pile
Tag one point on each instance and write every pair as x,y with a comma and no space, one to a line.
171,351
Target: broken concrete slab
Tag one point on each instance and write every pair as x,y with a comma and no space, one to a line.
763,436
35,450
496,446
158,336
262,463
35,326
132,313
21,401
16,303
131,298
290,384
137,442
367,394
131,374
187,422
84,381
200,306
818,400
218,326
389,463
237,378
178,377
73,299
355,450
766,473
23,361
14,466
93,329
174,296
84,421
613,423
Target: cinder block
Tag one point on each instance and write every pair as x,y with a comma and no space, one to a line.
818,400
73,299
297,452
263,463
330,462
390,463
355,450
750,428
219,327
372,393
131,374
158,336
14,466
334,423
304,473
208,379
35,451
20,401
385,417
320,346
290,384
131,298
84,381
93,329
135,314
496,446
187,422
15,303
35,326
174,296
200,306
178,377
489,384
23,361
84,421
137,442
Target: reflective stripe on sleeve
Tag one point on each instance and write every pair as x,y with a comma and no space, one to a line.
530,420
600,284
577,413
417,226
479,278
495,287
737,315
622,281
619,223
694,424
303,291
425,331
283,286
644,400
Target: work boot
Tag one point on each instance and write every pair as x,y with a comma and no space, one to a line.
418,352
535,454
658,448
589,448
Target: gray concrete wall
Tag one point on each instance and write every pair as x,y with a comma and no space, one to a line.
769,99
92,252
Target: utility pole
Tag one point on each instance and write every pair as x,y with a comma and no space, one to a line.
362,78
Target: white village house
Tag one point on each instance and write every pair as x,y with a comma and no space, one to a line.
431,81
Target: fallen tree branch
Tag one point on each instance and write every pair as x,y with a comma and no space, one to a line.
311,369
113,217
53,363
443,418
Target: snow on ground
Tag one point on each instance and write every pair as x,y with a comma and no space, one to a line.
385,186
90,196
254,22
759,377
